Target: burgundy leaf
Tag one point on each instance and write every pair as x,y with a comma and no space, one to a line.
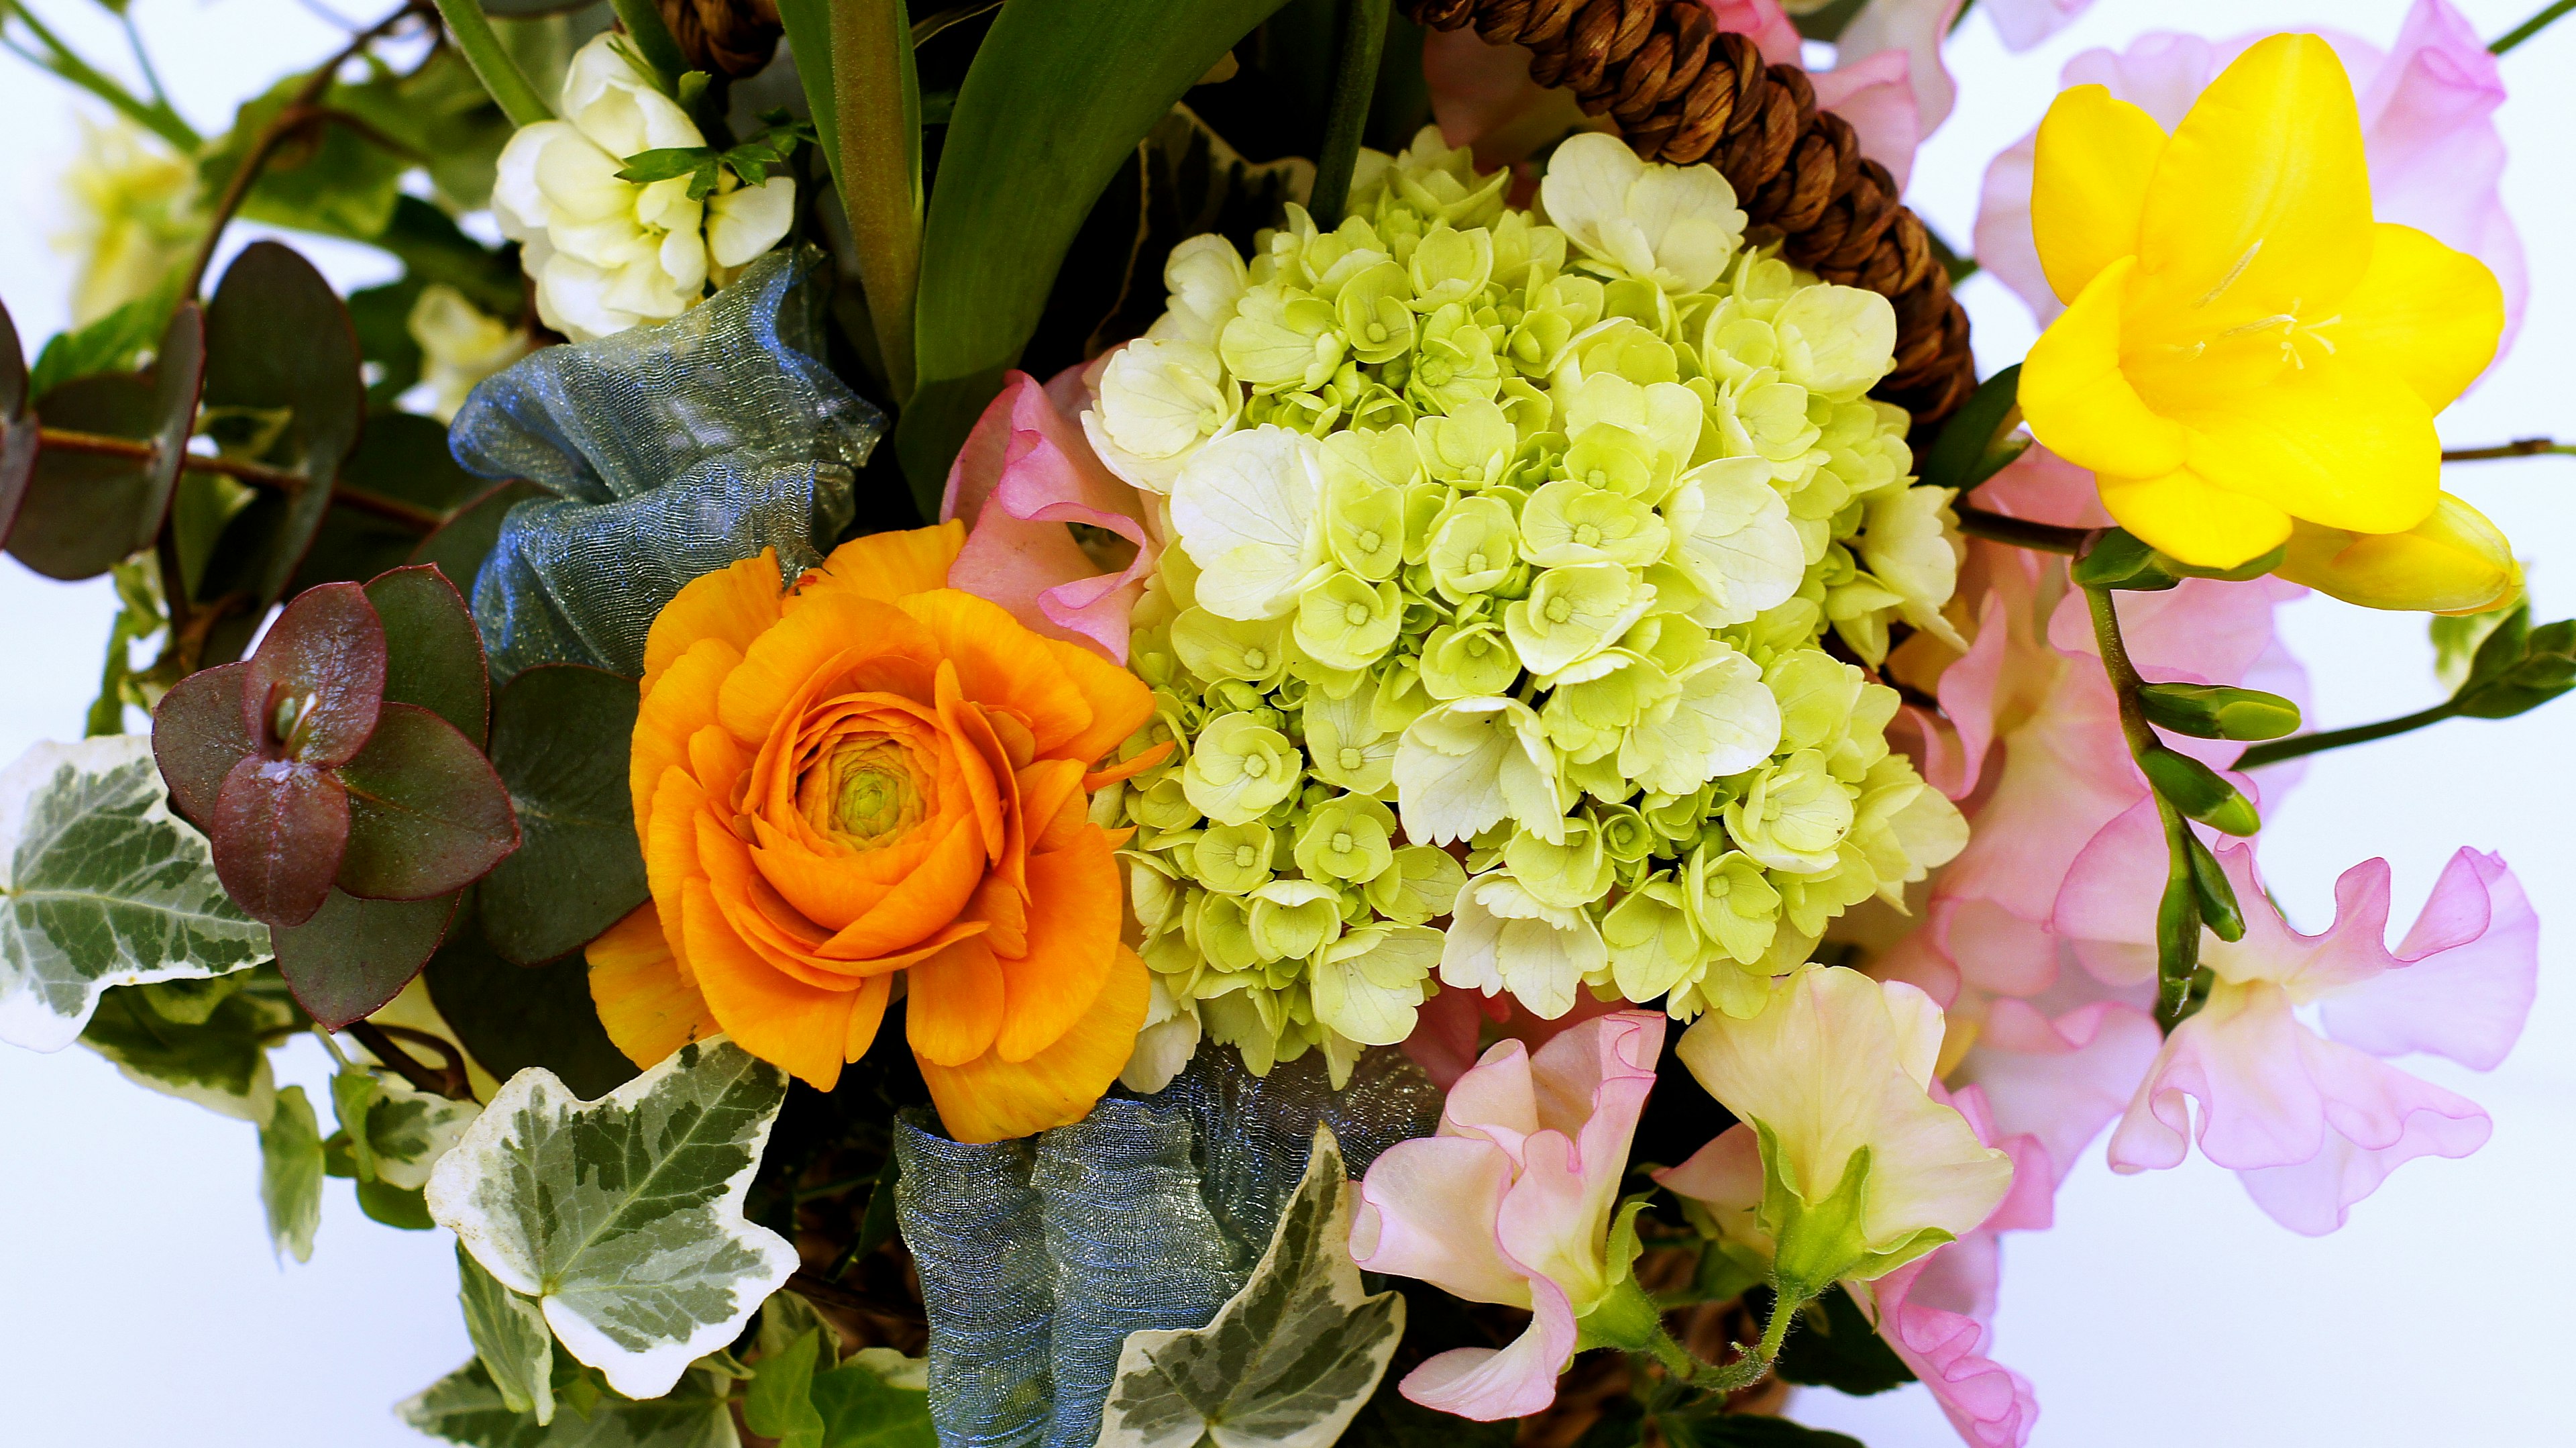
198,735
427,814
354,955
279,830
318,677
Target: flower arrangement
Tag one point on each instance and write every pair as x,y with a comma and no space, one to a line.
1514,804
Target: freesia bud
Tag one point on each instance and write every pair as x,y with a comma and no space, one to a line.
2200,792
2217,711
2455,561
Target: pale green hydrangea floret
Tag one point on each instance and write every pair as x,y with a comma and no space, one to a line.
1520,560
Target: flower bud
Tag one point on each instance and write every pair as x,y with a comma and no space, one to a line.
2455,561
2215,711
2200,792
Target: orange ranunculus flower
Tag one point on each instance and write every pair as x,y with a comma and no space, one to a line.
871,773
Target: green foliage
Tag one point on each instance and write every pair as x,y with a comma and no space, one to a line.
100,885
560,740
2517,668
780,1402
1835,1347
465,540
2216,711
352,955
402,458
623,1217
1058,96
1288,1361
138,617
2200,791
433,652
1981,438
511,1340
511,1017
2120,559
290,1174
201,1041
113,343
467,1407
1709,1426
82,513
752,161
1391,1420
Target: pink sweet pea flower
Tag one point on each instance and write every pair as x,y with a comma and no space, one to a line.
1025,472
2313,1122
1888,80
2025,23
1511,1203
2428,125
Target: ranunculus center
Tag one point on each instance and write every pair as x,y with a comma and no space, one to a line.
863,792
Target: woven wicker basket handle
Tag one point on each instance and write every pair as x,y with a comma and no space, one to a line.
1682,91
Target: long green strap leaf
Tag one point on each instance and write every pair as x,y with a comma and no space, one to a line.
1059,94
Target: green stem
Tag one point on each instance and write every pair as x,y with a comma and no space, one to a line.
1363,37
2178,914
652,37
481,46
2022,532
2521,447
2299,744
880,172
64,63
2530,28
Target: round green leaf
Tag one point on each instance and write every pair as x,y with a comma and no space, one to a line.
510,1018
402,458
560,740
178,374
434,654
81,511
18,426
427,815
354,955
460,547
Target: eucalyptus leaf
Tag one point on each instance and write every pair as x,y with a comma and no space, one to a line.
1059,94
623,1217
511,1339
1288,1361
560,740
290,1174
81,510
512,1017
102,885
466,1407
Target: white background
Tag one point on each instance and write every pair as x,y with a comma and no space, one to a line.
140,1305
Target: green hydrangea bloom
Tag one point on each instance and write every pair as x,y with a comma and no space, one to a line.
1530,573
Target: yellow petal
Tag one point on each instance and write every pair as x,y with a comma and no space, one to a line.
2343,445
2096,153
2423,312
2261,201
2182,514
2453,562
635,984
990,1099
733,603
2075,398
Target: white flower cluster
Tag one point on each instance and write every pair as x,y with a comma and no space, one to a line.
1507,543
608,254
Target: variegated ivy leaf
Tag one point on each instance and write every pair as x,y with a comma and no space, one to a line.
1288,1361
405,1129
623,1217
466,1407
204,1041
101,885
290,1174
510,1339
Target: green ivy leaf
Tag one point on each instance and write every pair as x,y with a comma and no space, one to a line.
290,1174
623,1217
1713,1427
466,1407
780,1402
102,885
878,1399
511,1340
1288,1361
209,1045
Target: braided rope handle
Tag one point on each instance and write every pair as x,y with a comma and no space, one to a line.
1683,91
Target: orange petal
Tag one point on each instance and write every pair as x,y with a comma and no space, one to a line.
781,665
1103,778
1073,932
780,1020
1000,664
635,985
1051,794
990,1099
886,566
1120,702
671,850
989,782
734,603
678,706
953,1004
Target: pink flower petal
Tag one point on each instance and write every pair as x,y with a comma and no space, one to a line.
2025,23
1989,1404
2315,1197
1726,1173
2462,983
2059,1082
1876,94
1486,1384
1497,1101
1774,34
1427,1210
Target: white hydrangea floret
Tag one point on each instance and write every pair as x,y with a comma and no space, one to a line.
1731,529
1465,766
1248,509
1501,938
1675,226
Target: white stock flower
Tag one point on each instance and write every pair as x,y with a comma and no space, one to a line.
1676,226
1502,938
609,254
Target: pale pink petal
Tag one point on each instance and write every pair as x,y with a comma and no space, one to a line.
2025,23
2462,983
1916,28
1487,1385
2242,1060
2031,1204
1476,89
1876,95
1726,1173
2315,1196
1497,1100
1934,745
1998,953
1774,34
1989,1404
1918,962
2114,882
2059,1082
1593,1079
1427,1210
2045,488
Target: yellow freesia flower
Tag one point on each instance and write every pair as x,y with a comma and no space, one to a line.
2243,346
